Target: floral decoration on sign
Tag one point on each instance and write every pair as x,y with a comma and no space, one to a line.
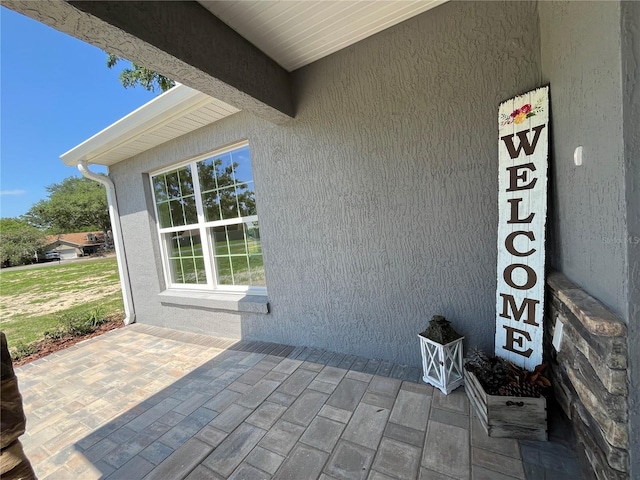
519,115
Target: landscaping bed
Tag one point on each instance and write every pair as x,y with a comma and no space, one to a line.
47,346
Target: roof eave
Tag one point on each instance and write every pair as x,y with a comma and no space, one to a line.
176,101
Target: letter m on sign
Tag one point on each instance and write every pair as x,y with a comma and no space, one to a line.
523,131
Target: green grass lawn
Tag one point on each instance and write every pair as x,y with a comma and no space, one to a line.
34,301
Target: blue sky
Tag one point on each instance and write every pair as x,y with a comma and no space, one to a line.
55,92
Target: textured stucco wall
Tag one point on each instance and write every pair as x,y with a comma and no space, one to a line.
631,108
378,202
590,53
580,53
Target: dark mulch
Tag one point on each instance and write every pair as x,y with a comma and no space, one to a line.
48,346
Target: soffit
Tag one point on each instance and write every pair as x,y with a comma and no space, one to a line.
296,33
176,112
208,113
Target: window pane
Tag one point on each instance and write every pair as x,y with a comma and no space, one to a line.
235,235
228,204
211,205
220,242
189,270
223,267
206,174
184,248
164,217
173,186
215,172
186,258
229,175
238,254
224,171
175,200
190,212
240,267
254,246
186,183
201,273
177,214
176,270
257,271
159,188
246,199
242,160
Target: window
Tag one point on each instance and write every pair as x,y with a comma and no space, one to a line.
208,223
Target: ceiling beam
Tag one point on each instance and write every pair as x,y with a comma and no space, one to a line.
181,40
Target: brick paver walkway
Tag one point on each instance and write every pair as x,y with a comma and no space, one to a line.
145,402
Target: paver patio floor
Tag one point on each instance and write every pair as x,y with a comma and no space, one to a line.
146,402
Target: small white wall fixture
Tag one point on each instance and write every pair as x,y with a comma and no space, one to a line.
442,364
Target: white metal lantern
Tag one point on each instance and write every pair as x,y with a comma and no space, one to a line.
442,362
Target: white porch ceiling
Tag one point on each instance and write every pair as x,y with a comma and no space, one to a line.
295,33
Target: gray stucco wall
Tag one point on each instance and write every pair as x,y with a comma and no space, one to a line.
580,53
631,108
378,202
590,53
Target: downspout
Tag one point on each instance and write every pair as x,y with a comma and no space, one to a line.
116,229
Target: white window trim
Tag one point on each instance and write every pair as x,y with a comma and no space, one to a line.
204,228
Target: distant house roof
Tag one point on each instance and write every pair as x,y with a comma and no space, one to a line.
80,239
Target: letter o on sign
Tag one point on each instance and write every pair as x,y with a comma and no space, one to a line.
532,278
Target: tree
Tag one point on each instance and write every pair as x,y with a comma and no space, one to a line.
237,201
19,241
139,75
225,195
76,204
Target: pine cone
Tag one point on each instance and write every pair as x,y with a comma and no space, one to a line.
524,390
491,371
478,357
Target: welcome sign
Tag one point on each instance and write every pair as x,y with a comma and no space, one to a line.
523,125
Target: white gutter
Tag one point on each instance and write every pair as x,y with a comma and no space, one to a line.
116,229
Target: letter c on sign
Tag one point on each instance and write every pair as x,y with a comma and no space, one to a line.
508,242
532,278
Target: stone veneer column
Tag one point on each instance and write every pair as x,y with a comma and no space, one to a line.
589,375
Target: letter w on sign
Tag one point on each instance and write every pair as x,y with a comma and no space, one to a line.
523,137
523,148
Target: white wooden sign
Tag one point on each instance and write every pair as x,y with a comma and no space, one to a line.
523,126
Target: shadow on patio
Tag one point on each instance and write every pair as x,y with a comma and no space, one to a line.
146,402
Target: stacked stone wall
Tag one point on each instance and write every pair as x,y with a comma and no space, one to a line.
589,374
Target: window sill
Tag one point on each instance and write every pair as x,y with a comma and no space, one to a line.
233,302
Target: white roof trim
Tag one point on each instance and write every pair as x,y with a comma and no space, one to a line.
172,105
